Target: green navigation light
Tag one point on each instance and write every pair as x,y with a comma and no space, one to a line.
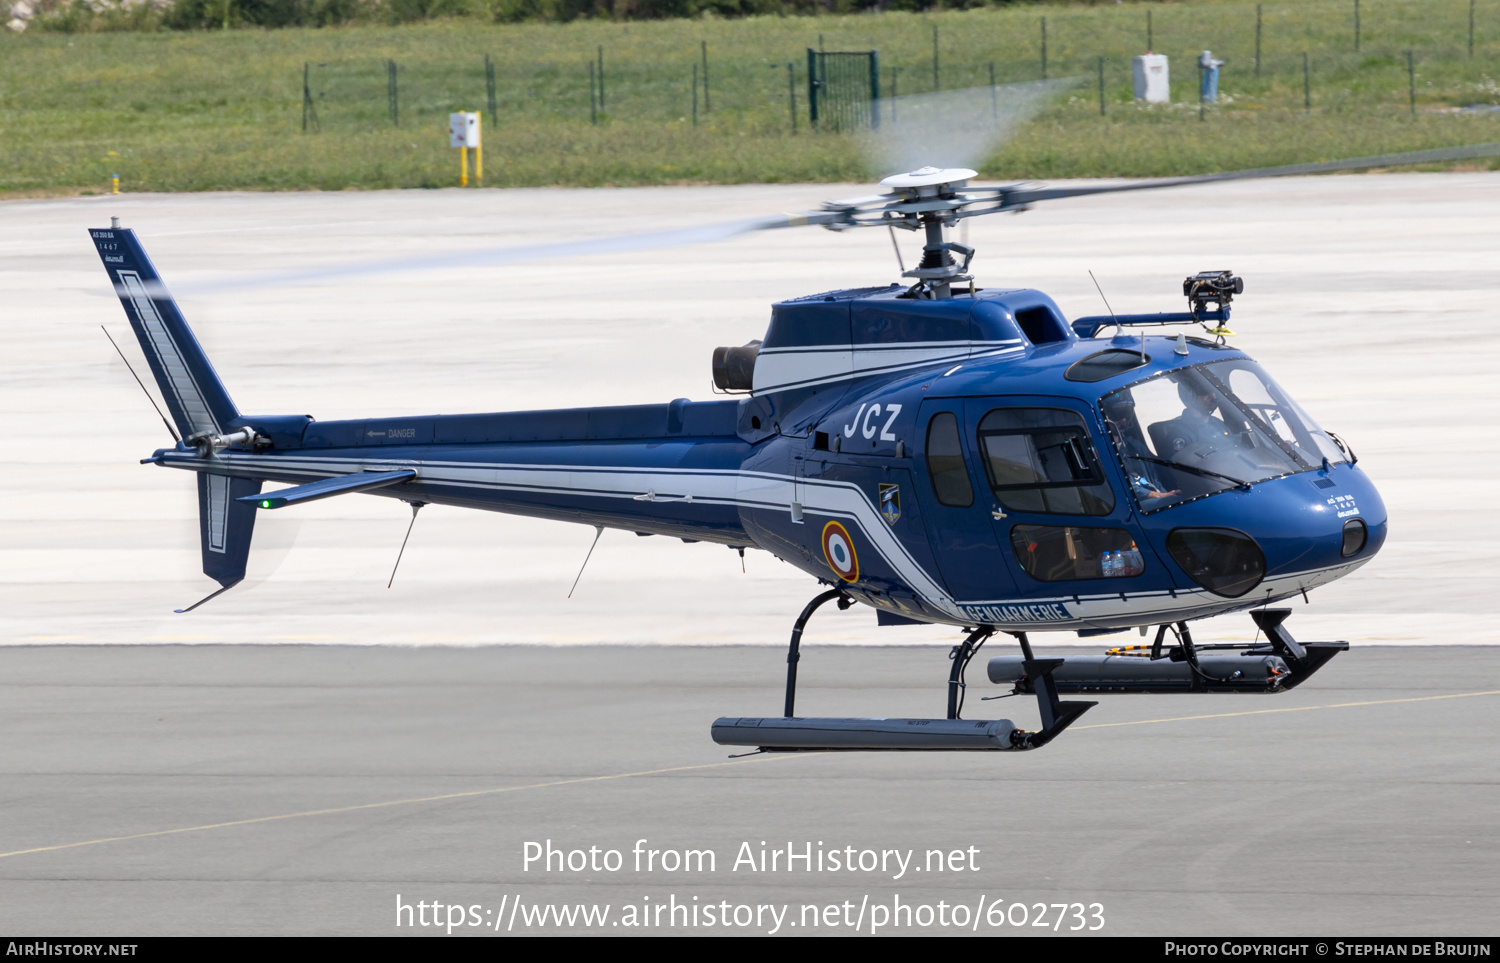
265,503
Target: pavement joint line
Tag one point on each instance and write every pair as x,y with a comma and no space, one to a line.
393,802
1261,712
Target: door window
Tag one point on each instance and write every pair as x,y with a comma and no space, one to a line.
1057,553
1041,460
945,462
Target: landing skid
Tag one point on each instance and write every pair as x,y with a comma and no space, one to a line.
1278,664
790,733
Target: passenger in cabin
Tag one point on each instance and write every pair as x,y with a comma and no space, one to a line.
1197,425
1125,432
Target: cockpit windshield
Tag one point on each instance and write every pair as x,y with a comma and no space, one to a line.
1209,428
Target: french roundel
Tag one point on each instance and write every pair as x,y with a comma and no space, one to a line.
838,549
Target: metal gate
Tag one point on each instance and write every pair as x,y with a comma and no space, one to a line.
843,88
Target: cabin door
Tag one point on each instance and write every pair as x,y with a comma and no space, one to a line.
956,502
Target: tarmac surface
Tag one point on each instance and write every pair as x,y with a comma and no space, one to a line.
153,790
308,750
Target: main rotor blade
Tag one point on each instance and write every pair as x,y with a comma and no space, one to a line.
952,128
1009,199
1022,196
705,234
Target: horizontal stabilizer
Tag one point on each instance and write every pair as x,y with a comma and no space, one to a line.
360,481
225,525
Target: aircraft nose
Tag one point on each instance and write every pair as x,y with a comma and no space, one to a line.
1356,528
1354,537
1283,527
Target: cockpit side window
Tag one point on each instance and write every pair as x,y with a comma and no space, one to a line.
1208,428
1041,460
945,462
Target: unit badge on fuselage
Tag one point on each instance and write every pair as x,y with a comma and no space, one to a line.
890,502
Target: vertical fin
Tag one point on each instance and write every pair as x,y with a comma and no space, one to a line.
195,396
225,525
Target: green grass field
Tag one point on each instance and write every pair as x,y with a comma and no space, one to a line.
224,110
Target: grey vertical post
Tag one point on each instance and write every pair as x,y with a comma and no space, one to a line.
791,93
593,95
1306,84
392,93
1471,28
937,81
875,89
1101,86
695,95
1150,34
1202,110
306,96
1356,26
1257,40
601,78
994,96
489,89
707,105
1044,48
812,85
895,71
1411,82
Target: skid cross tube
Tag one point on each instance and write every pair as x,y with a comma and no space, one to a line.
1184,651
793,652
1056,714
961,655
1303,658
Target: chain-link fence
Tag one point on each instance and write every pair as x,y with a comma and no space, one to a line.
363,94
838,91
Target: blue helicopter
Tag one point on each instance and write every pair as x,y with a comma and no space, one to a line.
938,451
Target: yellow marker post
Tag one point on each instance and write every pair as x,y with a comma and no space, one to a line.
114,180
463,133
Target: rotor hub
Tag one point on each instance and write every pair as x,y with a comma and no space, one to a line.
929,181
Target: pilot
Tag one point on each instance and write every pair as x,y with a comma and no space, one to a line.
1119,415
1196,425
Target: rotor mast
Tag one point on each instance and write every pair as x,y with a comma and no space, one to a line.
937,271
930,200
934,197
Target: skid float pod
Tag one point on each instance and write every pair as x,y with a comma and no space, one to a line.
463,133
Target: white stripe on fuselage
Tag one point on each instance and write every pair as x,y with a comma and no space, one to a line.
770,491
780,369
